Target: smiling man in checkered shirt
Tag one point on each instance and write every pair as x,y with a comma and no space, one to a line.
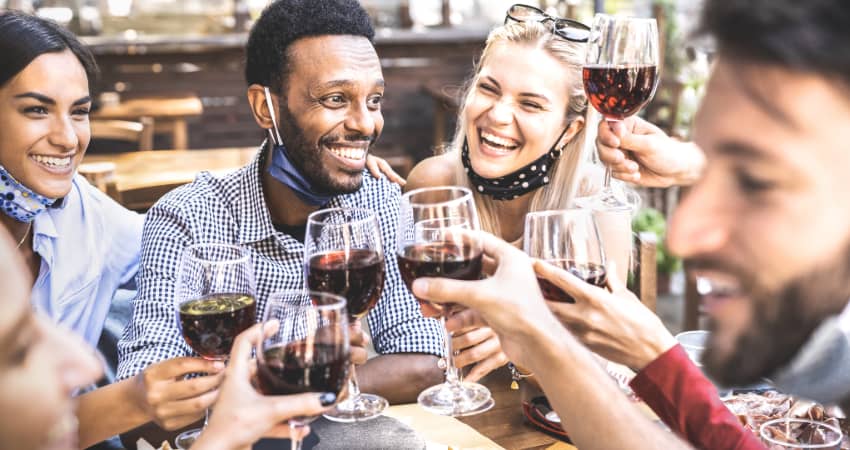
326,85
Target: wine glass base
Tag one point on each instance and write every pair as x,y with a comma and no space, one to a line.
463,399
359,409
185,439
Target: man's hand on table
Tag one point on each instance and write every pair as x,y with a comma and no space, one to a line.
615,324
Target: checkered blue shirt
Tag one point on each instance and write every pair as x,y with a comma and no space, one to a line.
231,209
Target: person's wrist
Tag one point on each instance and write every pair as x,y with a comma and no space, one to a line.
214,437
652,349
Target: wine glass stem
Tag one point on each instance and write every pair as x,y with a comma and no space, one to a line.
607,180
453,375
295,431
353,387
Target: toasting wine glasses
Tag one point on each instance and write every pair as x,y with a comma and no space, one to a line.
305,347
620,72
344,255
214,300
567,239
434,240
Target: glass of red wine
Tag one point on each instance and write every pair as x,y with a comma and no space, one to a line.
569,240
435,239
620,72
344,255
305,347
214,302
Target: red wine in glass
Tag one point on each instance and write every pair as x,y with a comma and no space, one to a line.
439,259
591,273
356,274
296,367
211,323
619,91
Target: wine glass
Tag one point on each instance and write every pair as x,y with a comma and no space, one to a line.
569,240
434,240
620,72
344,255
305,347
214,301
789,433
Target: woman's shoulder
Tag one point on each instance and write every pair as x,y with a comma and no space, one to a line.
437,170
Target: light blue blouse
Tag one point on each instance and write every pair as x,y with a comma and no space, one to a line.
88,247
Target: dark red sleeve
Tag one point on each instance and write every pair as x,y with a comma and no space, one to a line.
682,397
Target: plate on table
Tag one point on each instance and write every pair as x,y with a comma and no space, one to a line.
755,407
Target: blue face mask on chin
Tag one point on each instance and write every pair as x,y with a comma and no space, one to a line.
283,170
18,201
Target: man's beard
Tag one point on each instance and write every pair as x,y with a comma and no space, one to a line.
783,320
307,157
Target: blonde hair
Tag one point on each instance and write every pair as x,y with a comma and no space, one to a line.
558,194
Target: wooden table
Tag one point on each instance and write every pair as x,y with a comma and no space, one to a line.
168,114
505,424
141,178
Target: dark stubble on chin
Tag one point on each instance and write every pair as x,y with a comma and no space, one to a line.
307,157
783,320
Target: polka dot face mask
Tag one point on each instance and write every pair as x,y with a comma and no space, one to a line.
517,183
18,201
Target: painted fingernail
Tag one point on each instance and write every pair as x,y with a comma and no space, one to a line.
327,399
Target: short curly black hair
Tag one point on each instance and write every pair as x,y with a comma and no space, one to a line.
285,21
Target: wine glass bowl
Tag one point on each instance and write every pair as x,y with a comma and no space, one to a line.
620,74
440,248
344,255
305,347
569,240
437,238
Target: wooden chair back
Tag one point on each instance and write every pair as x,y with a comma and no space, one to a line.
646,269
140,133
102,176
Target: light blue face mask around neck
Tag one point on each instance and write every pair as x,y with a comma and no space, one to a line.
18,201
283,170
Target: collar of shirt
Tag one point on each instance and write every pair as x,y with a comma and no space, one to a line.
252,211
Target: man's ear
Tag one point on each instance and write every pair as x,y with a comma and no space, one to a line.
259,107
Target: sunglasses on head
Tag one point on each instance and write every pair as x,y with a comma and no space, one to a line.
571,30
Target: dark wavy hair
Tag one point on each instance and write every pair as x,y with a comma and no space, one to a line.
285,21
809,36
24,37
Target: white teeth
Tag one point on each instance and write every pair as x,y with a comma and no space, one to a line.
710,286
496,140
53,162
349,152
